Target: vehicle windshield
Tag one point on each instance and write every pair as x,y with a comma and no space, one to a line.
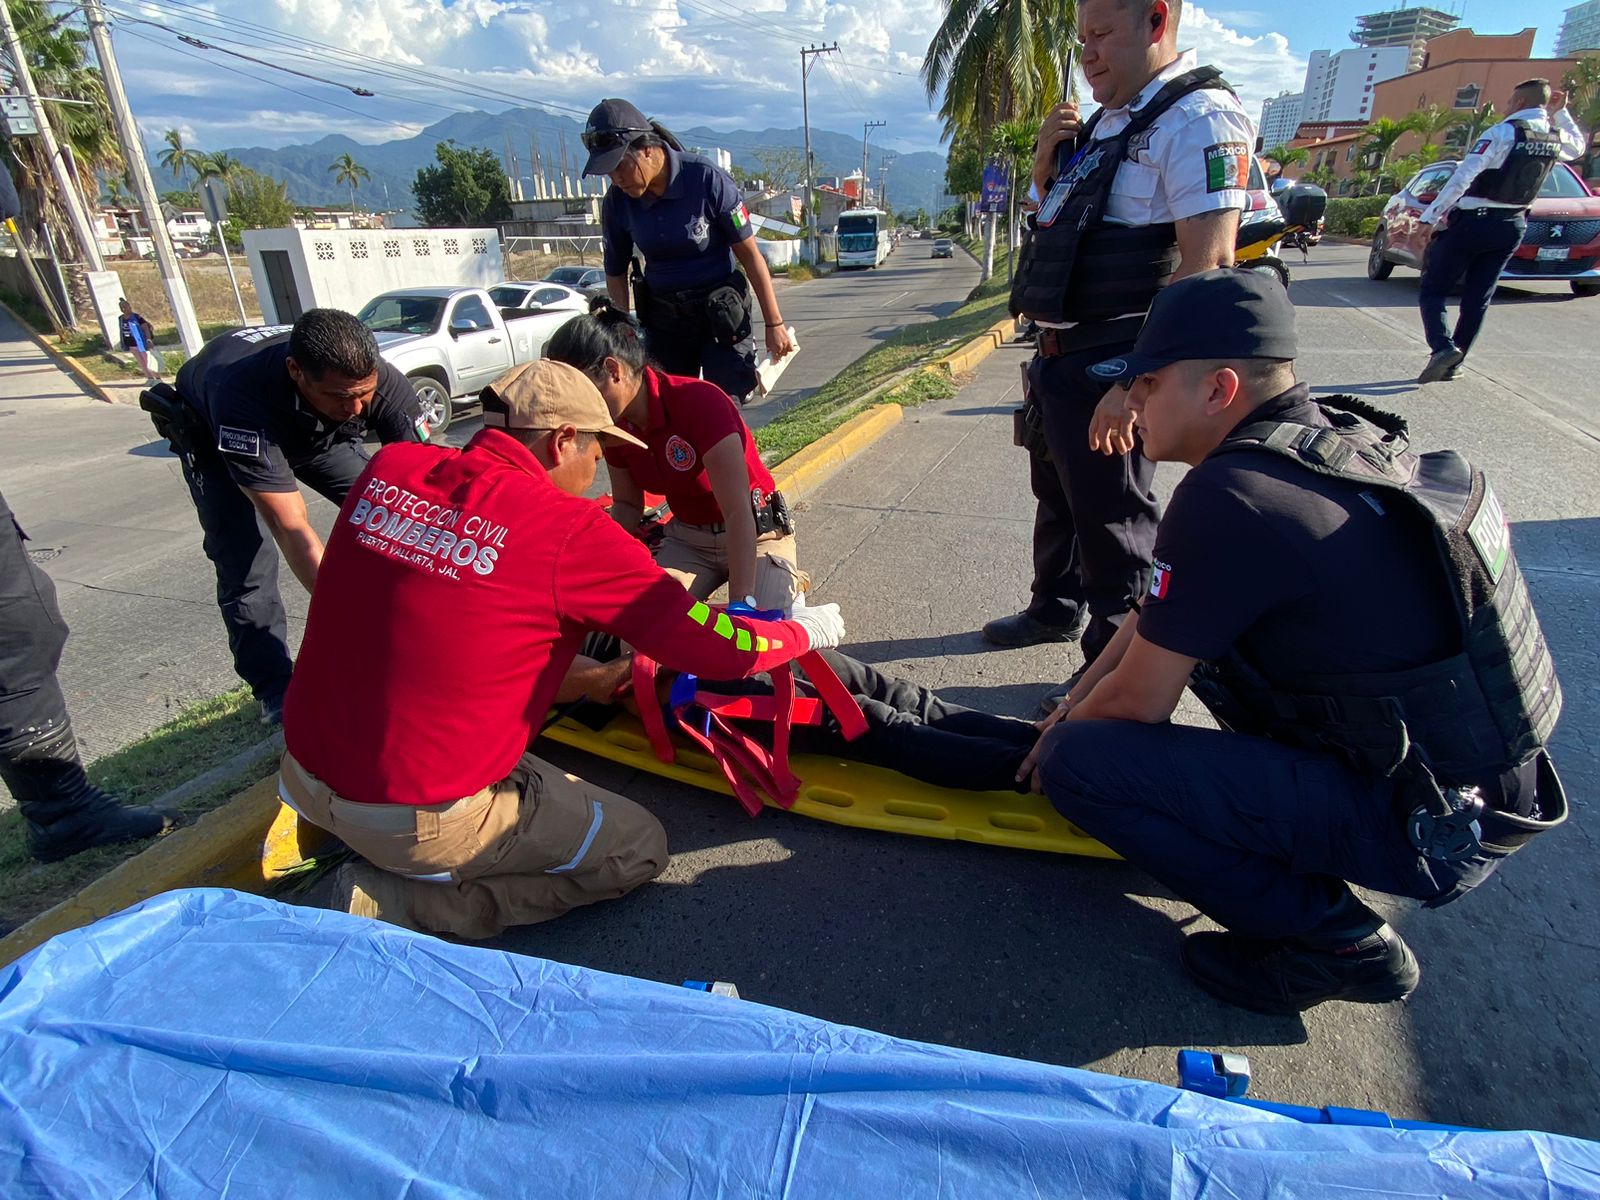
402,314
568,275
942,243
506,296
1562,184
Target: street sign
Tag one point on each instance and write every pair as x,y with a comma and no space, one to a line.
18,116
996,187
214,199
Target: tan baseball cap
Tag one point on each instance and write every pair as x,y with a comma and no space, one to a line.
545,394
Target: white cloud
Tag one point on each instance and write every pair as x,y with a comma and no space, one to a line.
1257,67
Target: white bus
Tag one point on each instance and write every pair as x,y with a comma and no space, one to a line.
864,238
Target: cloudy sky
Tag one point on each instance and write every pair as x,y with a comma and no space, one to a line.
725,63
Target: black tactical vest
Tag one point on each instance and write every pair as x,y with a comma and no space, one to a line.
1518,181
1471,717
1078,268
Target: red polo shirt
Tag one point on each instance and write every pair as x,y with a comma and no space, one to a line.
686,418
453,594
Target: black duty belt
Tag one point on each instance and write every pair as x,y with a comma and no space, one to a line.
1087,335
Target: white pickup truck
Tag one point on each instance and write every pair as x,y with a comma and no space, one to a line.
450,341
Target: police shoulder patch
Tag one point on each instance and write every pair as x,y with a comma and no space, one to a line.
1160,579
1227,166
246,442
1481,146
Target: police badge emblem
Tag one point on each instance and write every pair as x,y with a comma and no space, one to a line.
699,231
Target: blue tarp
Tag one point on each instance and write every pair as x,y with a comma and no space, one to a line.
215,1044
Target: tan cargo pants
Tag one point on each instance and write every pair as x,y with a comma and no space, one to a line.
525,850
698,559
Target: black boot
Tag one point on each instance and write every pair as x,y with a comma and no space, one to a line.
65,813
1294,974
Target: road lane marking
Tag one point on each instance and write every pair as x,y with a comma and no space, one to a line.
892,299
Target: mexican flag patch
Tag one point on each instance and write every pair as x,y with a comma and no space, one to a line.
1227,166
741,217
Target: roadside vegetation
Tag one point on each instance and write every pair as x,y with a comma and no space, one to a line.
201,738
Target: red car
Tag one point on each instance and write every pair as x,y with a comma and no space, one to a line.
1562,241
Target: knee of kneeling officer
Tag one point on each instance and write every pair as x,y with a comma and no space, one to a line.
640,856
1066,765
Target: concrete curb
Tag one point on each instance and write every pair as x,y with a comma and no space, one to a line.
807,469
247,843
978,349
84,380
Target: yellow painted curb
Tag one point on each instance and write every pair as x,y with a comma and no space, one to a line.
247,843
84,379
978,349
808,468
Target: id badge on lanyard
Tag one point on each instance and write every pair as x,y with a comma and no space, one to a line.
1061,189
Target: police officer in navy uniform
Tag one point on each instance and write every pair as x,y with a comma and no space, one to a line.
1150,189
255,414
683,214
1486,203
1353,615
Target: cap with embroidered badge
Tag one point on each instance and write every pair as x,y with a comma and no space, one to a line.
1227,313
545,394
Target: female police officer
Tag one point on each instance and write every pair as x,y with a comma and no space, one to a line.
730,525
683,214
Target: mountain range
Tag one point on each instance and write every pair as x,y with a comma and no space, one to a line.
915,180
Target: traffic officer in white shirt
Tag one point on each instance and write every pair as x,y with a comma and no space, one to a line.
1147,190
1486,202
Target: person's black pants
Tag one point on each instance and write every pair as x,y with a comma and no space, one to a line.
1097,519
246,560
32,634
1471,250
1259,836
731,368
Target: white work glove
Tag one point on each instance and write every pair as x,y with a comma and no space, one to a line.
824,624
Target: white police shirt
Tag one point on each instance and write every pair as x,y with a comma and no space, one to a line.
1194,159
1491,151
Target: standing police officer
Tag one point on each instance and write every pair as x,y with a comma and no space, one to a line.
1151,191
683,214
1353,615
256,413
1486,201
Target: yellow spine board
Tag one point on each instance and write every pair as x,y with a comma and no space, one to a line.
859,795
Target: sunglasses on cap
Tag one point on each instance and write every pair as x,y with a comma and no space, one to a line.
596,141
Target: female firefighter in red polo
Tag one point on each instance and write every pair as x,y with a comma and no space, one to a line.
730,525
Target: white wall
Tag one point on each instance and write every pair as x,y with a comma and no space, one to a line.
344,268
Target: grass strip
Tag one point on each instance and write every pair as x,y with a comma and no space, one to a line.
200,738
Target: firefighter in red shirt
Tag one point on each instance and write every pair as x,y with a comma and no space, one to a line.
730,524
414,748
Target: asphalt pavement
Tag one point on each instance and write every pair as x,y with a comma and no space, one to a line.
921,539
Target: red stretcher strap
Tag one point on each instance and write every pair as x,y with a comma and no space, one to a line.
852,721
644,694
807,711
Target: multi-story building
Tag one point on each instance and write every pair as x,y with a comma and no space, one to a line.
1405,26
1580,29
1339,84
1280,117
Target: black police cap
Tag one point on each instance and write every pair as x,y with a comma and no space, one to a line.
611,129
1229,313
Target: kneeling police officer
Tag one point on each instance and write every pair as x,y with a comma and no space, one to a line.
255,414
1352,614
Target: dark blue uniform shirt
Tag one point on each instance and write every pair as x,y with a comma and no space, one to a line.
685,235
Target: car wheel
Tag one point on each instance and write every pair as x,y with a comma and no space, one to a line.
1586,287
1378,266
1269,263
432,396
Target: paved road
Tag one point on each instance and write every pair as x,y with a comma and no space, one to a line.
1073,961
106,507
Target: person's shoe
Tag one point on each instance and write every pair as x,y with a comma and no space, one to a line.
1025,629
1441,362
271,710
1282,977
363,890
1453,373
97,821
1052,700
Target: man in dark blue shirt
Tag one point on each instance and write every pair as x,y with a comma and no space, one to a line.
263,411
682,214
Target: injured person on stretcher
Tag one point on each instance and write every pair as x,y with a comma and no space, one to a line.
909,729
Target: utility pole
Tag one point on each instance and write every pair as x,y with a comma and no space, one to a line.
60,171
883,184
866,129
143,184
806,55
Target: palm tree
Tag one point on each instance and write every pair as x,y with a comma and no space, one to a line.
117,192
1467,130
1582,84
1322,177
177,158
1430,122
1013,144
1381,136
347,170
216,165
1286,158
997,60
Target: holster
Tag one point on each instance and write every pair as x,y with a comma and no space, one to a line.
772,514
173,419
1027,423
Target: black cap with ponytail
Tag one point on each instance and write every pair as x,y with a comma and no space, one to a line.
605,331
